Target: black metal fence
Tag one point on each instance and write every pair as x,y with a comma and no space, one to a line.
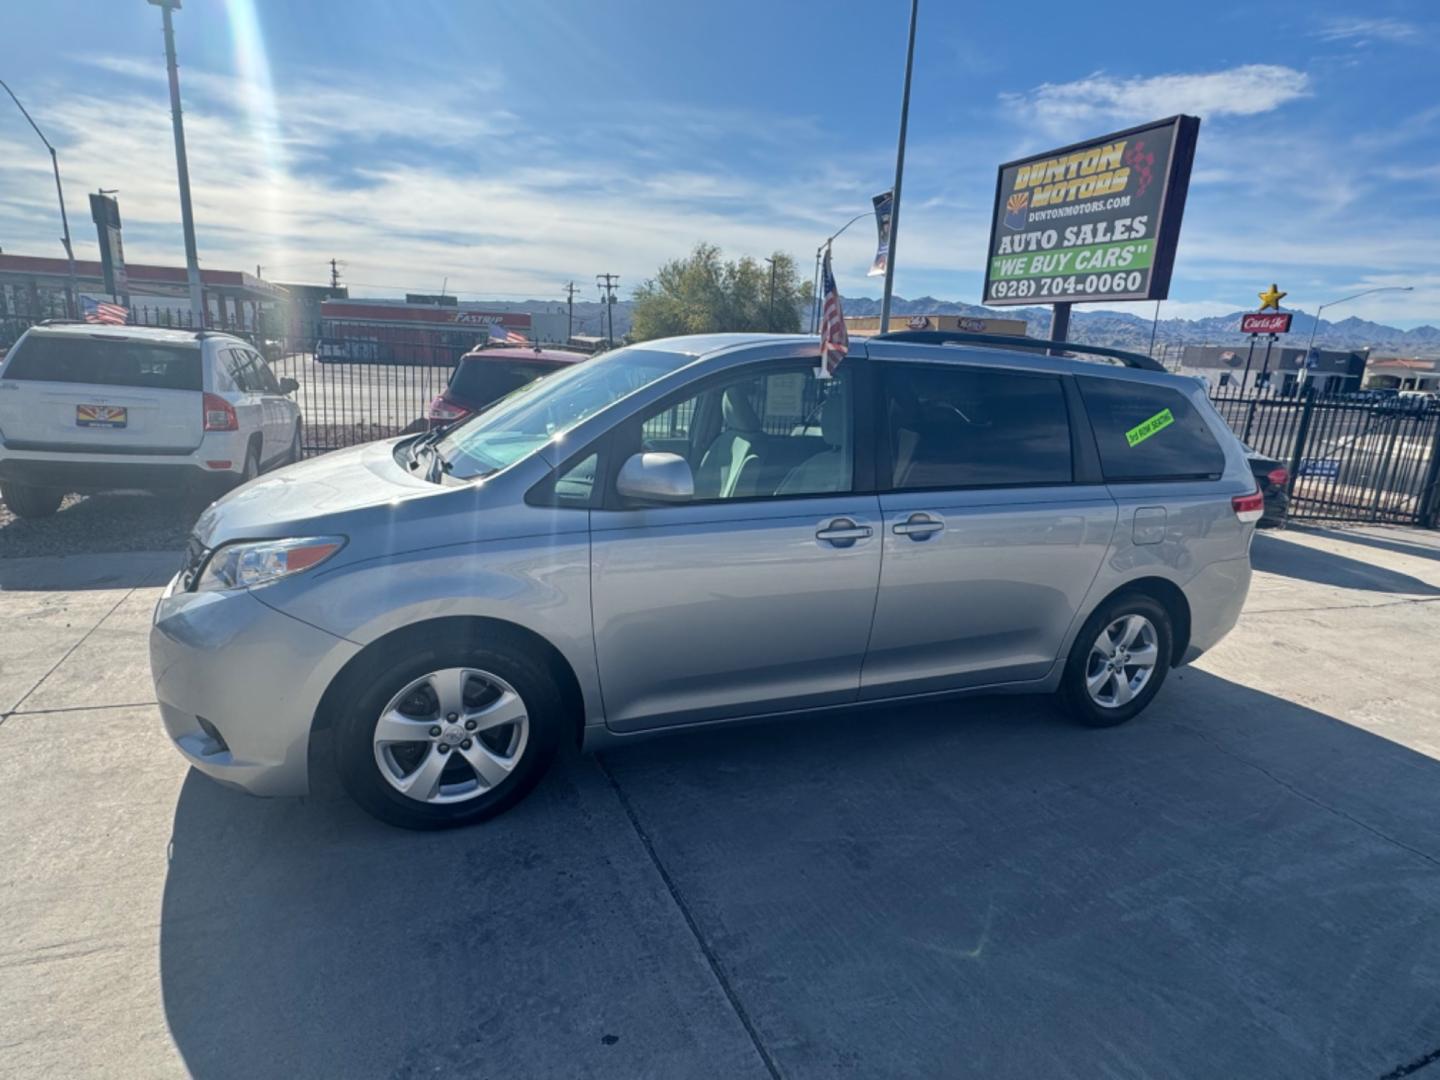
1351,456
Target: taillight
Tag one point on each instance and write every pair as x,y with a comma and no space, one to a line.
1278,477
444,412
220,414
1249,508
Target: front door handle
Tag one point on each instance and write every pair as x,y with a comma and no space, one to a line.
842,532
918,527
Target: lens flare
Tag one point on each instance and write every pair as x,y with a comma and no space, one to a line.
257,92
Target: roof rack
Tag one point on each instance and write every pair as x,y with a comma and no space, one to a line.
1016,341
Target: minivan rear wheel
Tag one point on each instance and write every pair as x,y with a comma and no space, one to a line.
25,501
450,733
1119,661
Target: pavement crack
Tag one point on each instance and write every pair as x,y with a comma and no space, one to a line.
1343,607
66,654
716,969
1412,1067
76,708
1314,800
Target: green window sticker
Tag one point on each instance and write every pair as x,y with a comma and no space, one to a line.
1140,432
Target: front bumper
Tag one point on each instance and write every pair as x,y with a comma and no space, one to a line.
253,674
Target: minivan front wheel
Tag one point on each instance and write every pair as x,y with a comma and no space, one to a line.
451,734
1118,661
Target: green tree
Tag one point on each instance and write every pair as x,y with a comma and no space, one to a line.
703,293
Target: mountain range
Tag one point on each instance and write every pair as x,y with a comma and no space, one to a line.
1115,328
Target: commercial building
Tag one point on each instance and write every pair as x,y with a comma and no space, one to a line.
394,331
1397,373
1333,370
33,287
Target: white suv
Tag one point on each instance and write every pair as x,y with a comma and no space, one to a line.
87,408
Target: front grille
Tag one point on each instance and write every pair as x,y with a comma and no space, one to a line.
195,553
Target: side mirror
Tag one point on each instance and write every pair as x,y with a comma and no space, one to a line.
289,385
652,477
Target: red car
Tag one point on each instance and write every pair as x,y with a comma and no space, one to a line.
485,375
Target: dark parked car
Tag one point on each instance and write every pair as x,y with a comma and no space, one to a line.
485,375
1273,478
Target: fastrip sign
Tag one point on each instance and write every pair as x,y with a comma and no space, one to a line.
1098,220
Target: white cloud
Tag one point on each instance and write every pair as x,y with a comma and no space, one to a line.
1365,31
1240,91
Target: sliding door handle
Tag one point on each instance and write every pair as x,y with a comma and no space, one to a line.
918,527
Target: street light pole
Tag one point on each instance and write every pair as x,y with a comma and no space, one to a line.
74,298
1315,323
187,216
820,254
899,174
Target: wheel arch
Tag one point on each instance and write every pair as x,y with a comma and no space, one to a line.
459,626
1164,592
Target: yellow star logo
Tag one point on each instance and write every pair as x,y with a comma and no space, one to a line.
1271,298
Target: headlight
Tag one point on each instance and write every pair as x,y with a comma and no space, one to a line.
259,562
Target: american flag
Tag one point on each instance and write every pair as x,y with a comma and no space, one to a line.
498,335
834,341
100,312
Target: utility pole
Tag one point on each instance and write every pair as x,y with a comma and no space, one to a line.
187,215
899,173
73,307
607,283
569,311
334,274
770,316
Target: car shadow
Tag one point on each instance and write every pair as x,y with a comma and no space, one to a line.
1235,884
1274,555
1418,549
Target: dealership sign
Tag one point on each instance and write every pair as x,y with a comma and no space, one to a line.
1098,220
1265,322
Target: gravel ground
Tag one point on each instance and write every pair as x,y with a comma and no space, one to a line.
89,525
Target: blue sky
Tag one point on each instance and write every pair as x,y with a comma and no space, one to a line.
510,147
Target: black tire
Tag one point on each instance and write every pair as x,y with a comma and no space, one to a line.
1073,692
361,706
295,448
31,502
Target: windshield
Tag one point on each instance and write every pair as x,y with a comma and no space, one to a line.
535,414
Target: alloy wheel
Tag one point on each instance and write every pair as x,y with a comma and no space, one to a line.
451,735
1122,661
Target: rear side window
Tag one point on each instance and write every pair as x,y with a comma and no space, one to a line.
479,382
954,427
105,362
1149,432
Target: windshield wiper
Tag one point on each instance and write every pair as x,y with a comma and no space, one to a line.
424,442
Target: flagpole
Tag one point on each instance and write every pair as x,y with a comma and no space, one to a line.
899,173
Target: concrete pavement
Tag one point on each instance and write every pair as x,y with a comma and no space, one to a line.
1244,882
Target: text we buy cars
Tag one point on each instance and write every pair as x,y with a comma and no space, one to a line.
1097,221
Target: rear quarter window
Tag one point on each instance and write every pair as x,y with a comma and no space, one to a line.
102,362
1149,432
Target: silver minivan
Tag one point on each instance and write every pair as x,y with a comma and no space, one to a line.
698,530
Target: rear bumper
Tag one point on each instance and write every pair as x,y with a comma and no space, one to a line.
89,472
1216,596
255,675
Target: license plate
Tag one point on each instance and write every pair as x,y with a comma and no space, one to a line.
106,416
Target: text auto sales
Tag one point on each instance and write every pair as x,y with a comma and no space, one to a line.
1027,265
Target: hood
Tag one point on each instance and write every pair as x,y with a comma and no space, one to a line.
322,488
